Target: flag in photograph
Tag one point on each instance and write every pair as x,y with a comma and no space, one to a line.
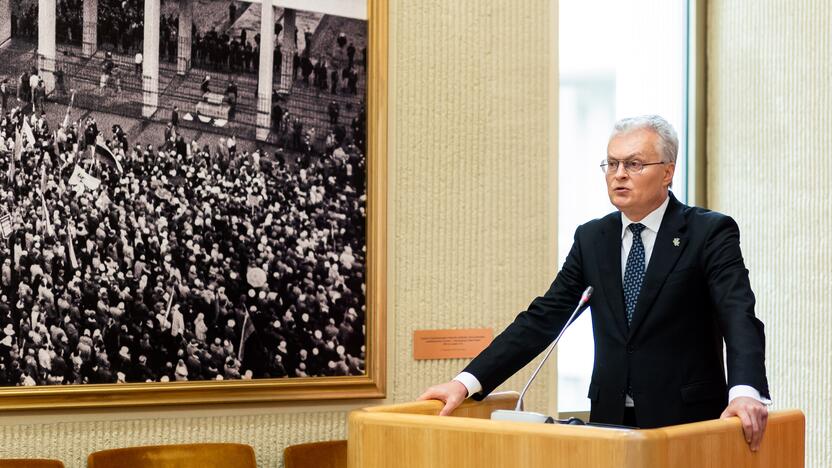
55,146
65,123
164,320
248,330
18,149
177,322
73,260
45,214
103,154
27,132
103,201
43,179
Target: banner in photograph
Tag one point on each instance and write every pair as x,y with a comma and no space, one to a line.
5,225
81,177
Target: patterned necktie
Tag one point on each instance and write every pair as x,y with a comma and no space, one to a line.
634,272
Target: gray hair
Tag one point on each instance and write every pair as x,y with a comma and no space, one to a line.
668,141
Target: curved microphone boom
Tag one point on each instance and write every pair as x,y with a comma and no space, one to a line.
518,414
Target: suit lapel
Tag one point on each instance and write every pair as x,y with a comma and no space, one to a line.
670,243
611,271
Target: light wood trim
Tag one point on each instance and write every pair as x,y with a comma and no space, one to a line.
468,409
783,443
377,138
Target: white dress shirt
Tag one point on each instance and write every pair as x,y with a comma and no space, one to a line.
651,222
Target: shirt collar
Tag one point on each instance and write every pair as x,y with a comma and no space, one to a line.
652,221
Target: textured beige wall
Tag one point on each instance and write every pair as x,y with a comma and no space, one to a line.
471,224
472,211
770,166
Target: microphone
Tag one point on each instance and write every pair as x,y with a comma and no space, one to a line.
518,414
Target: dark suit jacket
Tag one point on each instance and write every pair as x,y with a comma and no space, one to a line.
695,294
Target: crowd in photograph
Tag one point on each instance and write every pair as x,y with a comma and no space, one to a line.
24,20
183,260
119,22
28,88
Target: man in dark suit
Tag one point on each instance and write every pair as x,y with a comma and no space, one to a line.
670,287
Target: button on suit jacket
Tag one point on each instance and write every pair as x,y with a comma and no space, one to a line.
695,296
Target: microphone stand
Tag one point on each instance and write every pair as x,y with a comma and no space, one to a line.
520,415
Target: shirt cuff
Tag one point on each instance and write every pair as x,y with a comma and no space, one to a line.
470,382
746,391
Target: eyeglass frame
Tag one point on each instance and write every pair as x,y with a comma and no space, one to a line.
607,162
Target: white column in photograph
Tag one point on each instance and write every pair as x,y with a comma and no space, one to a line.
46,43
265,76
183,54
89,41
150,66
287,49
5,21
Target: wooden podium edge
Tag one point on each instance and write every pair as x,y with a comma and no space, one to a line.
672,446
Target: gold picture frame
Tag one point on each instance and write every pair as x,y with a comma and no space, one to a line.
371,385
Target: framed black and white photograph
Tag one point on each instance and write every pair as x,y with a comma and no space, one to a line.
189,216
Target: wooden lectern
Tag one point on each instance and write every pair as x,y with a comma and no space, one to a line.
411,435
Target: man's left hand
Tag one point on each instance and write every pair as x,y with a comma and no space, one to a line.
754,416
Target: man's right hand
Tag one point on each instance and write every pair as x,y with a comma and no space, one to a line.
452,393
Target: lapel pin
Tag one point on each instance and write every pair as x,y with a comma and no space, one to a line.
676,242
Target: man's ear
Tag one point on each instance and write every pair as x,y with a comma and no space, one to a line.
669,170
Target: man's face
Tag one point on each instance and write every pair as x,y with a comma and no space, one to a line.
637,194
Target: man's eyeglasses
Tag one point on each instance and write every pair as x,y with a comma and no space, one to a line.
632,166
